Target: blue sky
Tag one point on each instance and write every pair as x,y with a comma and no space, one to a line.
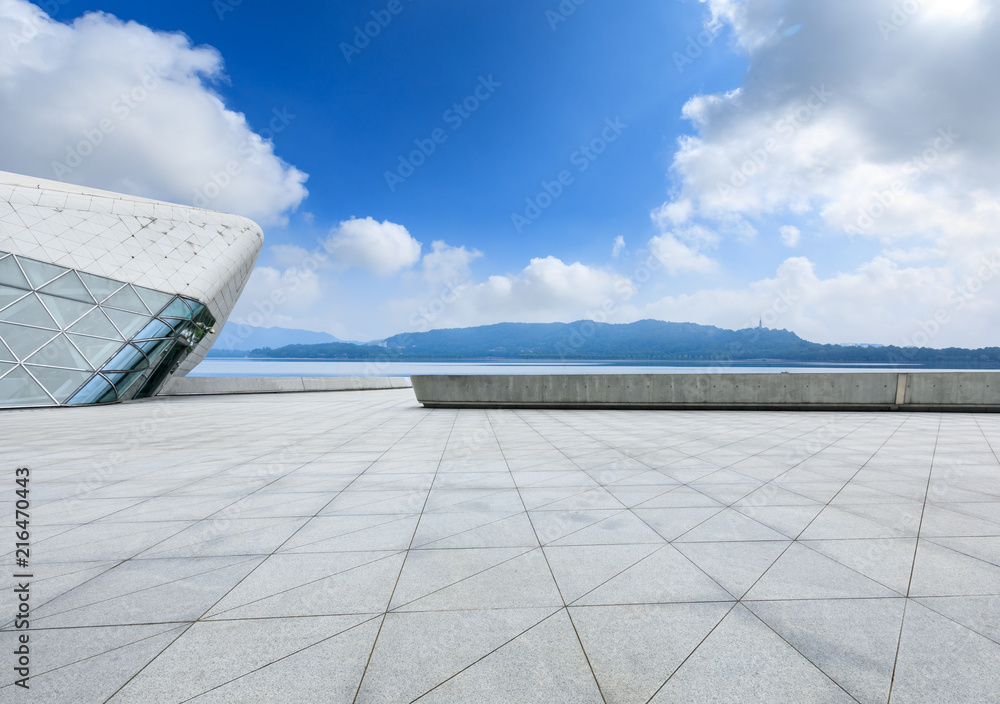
748,152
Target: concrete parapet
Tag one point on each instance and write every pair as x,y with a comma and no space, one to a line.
219,385
945,391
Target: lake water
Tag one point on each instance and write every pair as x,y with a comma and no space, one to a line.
264,367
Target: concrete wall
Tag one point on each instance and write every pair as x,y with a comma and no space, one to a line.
961,391
213,385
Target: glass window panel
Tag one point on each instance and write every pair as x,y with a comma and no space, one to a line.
122,380
97,351
131,385
177,309
18,388
157,328
128,323
8,295
24,341
61,383
177,323
59,353
65,311
6,367
127,299
69,286
154,300
10,274
154,348
99,286
128,360
40,273
97,390
28,311
5,354
96,323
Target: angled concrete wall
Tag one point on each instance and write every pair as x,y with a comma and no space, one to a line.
807,391
220,385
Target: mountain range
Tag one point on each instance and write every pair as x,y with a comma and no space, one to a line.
643,340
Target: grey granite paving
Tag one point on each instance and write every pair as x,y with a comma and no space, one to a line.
355,547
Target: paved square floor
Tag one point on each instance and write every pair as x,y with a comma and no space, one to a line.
355,547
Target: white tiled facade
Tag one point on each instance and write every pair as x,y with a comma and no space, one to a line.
200,254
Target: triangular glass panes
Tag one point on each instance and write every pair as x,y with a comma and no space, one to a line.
100,286
97,352
65,311
97,390
28,311
127,299
40,273
8,295
59,353
97,323
10,273
6,367
5,354
177,309
154,300
128,323
24,341
19,389
69,286
61,383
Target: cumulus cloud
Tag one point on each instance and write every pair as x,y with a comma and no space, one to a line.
682,249
618,247
869,120
875,117
880,302
447,264
120,106
790,235
383,248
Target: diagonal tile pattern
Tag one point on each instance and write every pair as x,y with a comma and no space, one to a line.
354,547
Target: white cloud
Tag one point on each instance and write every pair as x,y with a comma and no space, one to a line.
619,246
383,248
880,302
869,120
117,105
447,264
790,235
277,297
681,250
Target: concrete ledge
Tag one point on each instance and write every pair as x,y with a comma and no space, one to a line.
219,385
850,391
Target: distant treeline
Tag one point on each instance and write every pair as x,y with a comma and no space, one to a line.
646,340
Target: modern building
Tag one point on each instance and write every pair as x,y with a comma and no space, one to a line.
103,296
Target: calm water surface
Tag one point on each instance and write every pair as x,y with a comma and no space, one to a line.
263,367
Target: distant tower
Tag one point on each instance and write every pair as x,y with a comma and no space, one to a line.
760,325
